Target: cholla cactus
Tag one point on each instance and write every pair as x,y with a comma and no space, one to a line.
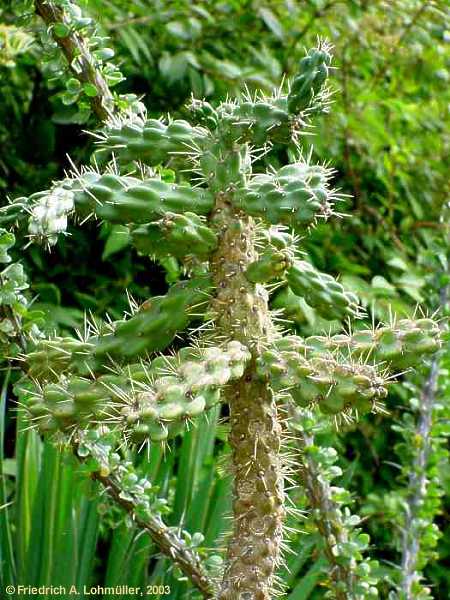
228,224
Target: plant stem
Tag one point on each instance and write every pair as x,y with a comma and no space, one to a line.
77,52
164,538
255,437
327,518
418,481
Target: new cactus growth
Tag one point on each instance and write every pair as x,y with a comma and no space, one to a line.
151,140
322,291
228,226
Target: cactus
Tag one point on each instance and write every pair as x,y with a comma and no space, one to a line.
142,400
307,91
112,198
296,195
321,291
396,346
175,235
223,229
332,383
151,141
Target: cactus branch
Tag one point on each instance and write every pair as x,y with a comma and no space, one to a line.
79,58
350,575
164,538
327,518
142,401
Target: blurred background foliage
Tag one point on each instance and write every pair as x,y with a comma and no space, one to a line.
386,135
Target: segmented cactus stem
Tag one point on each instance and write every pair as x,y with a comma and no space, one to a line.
255,438
418,484
328,520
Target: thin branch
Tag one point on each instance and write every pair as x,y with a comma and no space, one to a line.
165,538
327,517
77,53
413,21
418,482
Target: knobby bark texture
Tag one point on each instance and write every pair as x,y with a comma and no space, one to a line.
258,510
80,60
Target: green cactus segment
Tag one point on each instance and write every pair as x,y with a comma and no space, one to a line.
152,142
144,401
127,200
222,167
398,346
188,384
307,91
50,358
322,291
155,325
175,235
114,198
271,265
258,121
294,308
204,113
150,329
334,385
296,195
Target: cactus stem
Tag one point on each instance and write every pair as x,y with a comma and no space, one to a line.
255,437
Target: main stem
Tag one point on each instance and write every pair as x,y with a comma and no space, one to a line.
258,509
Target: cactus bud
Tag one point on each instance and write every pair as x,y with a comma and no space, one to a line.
307,88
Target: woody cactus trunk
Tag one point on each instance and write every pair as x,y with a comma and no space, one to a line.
233,228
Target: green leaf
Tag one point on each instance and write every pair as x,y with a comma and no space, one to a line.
90,90
61,30
398,263
272,22
382,287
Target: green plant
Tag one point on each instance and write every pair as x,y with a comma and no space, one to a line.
227,255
